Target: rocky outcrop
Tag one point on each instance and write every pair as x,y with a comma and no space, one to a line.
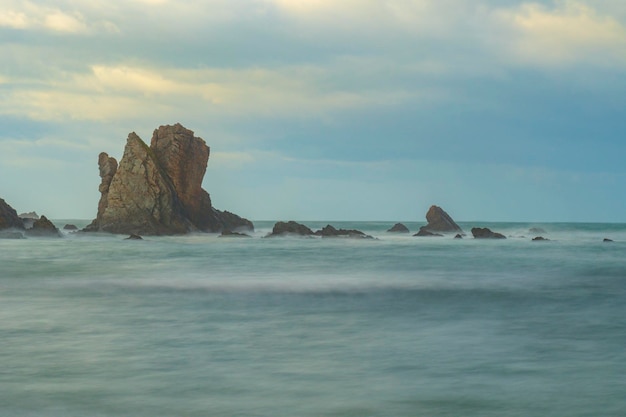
330,231
290,228
440,221
8,217
157,189
70,227
485,233
398,228
43,227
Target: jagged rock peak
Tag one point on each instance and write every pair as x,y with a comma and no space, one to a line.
8,217
157,189
440,221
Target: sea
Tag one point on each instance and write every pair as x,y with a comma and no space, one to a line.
200,325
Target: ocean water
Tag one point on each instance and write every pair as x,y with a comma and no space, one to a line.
197,325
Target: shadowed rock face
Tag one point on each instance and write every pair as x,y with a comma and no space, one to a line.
43,227
8,217
290,228
157,189
398,228
485,233
439,221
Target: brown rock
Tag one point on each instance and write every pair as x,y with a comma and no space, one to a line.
70,227
8,217
330,231
440,221
157,189
43,227
398,228
485,233
290,228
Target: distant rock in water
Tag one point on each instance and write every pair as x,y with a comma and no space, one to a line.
9,218
133,236
157,189
290,228
606,239
458,236
30,215
425,233
70,227
398,228
43,228
485,233
330,231
440,221
539,238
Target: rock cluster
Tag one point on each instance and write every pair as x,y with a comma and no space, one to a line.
292,228
157,189
440,221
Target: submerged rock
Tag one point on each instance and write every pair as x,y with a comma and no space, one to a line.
606,239
11,235
229,233
536,230
458,236
485,233
43,228
134,237
8,217
290,228
398,228
538,238
157,189
70,227
425,233
439,221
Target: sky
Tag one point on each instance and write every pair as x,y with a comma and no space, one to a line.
500,110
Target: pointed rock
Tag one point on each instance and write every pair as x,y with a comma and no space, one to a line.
8,217
440,221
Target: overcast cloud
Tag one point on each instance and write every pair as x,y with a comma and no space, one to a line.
316,109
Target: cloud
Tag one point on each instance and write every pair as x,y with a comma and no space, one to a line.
570,33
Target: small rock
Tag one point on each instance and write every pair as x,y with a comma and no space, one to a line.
30,215
606,239
540,238
133,236
398,228
485,233
43,228
330,231
290,228
458,236
70,227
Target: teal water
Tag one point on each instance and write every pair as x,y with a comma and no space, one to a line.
94,325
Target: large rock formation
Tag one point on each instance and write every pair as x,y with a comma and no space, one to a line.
439,221
8,217
157,189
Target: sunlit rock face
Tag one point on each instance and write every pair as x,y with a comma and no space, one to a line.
157,189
